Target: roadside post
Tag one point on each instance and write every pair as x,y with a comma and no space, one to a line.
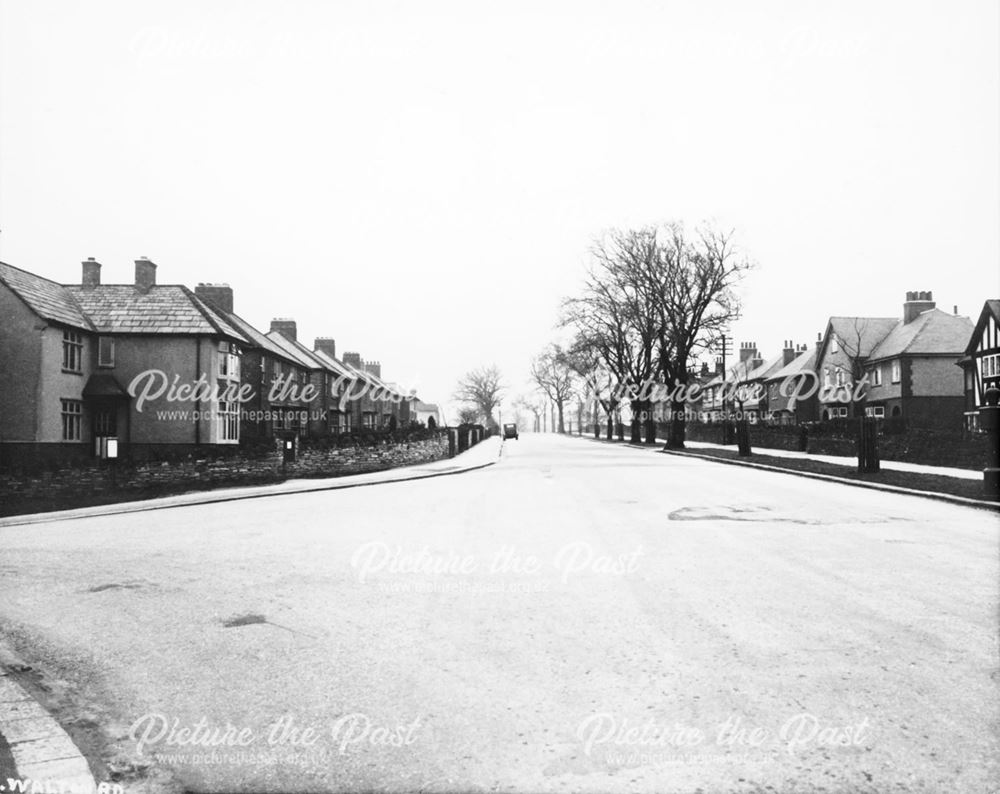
989,420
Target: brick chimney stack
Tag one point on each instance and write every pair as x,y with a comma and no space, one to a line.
789,353
916,303
353,360
219,295
748,351
374,367
91,273
326,344
286,327
718,365
145,274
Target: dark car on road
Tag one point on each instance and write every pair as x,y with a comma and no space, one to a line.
510,431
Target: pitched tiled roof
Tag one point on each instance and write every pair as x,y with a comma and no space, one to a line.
765,369
254,337
863,332
932,332
333,364
163,309
297,351
803,362
49,300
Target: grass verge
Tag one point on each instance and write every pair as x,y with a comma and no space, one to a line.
935,483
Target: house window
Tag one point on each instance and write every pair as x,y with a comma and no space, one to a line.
229,360
72,351
841,412
878,411
896,377
72,419
106,422
834,344
877,376
840,376
368,420
991,365
229,421
105,351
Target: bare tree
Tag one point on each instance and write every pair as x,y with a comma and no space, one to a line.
481,389
468,415
611,317
690,291
553,372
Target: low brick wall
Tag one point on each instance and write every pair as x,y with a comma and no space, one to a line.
103,481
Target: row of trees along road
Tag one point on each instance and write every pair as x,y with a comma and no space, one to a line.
653,300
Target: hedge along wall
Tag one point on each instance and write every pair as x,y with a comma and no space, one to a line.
104,482
915,445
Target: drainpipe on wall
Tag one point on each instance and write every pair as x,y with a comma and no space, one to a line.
197,405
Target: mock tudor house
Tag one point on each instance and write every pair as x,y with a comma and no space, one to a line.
95,369
908,363
981,362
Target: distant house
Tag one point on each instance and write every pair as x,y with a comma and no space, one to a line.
908,364
426,413
271,374
71,352
791,390
741,387
981,362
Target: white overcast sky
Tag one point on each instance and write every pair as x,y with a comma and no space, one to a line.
422,180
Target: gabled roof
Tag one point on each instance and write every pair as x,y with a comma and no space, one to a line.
862,332
803,362
991,308
933,332
46,298
163,309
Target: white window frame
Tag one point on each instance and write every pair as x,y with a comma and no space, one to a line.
229,421
897,372
834,344
876,376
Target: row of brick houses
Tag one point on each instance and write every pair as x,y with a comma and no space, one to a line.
95,369
927,367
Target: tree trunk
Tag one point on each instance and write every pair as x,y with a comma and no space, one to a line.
559,409
678,426
634,425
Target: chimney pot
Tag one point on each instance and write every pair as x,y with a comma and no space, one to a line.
956,310
145,274
91,273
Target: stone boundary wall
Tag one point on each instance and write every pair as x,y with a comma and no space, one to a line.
102,482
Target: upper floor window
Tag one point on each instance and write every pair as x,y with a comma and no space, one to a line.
877,376
834,344
840,376
72,351
105,351
826,376
229,360
991,365
896,376
72,419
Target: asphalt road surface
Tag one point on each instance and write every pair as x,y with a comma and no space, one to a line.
580,617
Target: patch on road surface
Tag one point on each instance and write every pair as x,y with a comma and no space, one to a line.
115,586
727,513
244,620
